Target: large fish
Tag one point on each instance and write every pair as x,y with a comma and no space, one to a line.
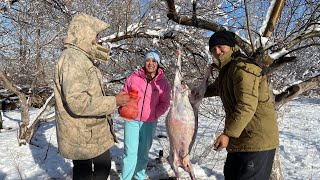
182,120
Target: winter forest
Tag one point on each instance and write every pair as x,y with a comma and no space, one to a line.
282,36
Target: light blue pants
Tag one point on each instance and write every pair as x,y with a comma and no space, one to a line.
138,138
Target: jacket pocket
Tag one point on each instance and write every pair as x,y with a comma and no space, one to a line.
84,135
253,128
248,133
79,132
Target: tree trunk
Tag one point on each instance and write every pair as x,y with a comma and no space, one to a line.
39,80
1,121
275,15
23,129
276,173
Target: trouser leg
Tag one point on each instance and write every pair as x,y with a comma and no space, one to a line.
266,164
82,169
102,166
230,167
131,141
249,165
147,131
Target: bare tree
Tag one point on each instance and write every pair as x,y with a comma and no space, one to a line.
23,105
298,38
32,35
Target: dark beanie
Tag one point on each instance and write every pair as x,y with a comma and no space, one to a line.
222,38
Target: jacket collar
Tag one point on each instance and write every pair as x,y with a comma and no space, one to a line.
160,75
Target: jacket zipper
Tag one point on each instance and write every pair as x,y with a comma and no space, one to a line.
144,97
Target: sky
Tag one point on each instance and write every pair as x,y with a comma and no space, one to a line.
299,123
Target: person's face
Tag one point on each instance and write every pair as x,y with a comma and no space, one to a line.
151,65
220,50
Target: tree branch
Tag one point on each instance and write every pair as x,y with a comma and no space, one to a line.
278,64
248,24
203,24
303,37
42,116
275,15
295,90
23,129
8,6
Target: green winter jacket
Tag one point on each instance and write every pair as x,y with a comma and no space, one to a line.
251,120
84,125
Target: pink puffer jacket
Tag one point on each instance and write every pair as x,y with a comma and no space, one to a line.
154,96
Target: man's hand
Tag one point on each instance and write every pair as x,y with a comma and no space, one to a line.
122,98
221,142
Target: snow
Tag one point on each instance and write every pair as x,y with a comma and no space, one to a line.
277,55
299,121
268,16
262,42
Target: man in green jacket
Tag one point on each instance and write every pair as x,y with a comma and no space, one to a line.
251,131
84,125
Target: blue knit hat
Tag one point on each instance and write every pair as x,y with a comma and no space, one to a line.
153,53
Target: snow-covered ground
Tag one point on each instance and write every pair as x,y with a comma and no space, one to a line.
299,124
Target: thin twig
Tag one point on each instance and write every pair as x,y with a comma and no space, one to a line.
248,24
14,160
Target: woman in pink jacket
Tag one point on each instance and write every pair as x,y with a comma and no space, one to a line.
154,93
